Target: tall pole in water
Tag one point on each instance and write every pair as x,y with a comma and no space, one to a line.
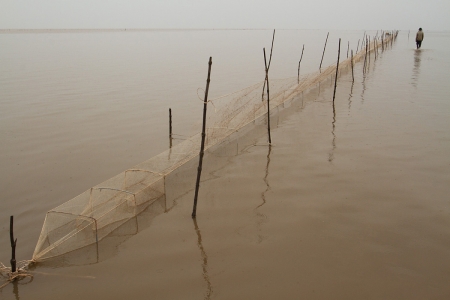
351,61
268,95
13,245
202,147
323,53
337,69
298,73
348,47
270,59
170,127
266,82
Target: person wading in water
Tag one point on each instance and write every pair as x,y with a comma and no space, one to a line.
419,38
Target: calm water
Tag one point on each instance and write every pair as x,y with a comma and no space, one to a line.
354,206
79,108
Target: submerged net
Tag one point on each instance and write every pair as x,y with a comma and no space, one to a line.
90,217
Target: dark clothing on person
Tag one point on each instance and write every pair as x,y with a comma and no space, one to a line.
418,44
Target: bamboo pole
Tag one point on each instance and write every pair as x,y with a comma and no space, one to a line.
270,59
202,147
363,40
298,73
348,47
351,61
375,47
337,69
320,67
378,47
365,58
268,95
170,121
266,84
170,127
13,245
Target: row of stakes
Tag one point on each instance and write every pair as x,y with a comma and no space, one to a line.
366,42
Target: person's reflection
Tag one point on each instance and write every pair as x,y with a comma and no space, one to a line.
416,69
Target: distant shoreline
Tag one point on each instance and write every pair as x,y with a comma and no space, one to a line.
94,30
116,30
79,30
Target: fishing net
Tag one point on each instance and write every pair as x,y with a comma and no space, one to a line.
90,217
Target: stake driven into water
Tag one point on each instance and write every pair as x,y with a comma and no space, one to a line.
202,147
337,69
348,47
266,84
365,59
298,73
270,59
323,53
170,121
170,127
13,245
351,61
268,95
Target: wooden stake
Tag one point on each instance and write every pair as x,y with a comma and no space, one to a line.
363,40
337,69
170,121
170,127
375,47
298,73
351,61
268,95
13,245
266,82
357,47
348,47
320,67
365,58
202,147
270,59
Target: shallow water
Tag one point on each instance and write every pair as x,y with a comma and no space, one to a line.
347,206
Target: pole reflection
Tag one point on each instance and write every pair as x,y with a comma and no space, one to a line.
262,218
16,289
209,289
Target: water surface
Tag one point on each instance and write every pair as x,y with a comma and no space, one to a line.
351,205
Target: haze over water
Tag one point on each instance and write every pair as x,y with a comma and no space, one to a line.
354,206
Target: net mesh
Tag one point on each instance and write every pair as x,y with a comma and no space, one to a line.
93,215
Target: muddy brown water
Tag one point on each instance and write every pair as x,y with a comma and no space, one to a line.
348,206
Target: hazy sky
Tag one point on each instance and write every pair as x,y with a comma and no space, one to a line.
307,14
